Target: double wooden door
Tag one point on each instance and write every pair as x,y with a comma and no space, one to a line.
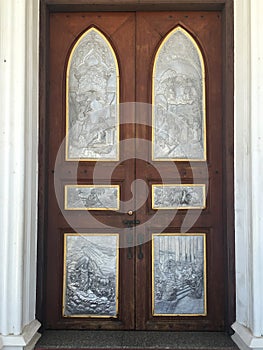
135,231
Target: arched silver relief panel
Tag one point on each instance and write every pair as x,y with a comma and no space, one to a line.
178,98
92,98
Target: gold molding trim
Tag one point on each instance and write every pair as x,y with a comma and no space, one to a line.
91,208
203,186
117,100
176,29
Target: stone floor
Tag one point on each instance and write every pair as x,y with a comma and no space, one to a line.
134,340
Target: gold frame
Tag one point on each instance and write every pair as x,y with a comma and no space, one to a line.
91,186
176,29
205,272
117,100
65,273
180,185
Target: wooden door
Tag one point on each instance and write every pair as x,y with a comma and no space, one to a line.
165,271
66,218
188,222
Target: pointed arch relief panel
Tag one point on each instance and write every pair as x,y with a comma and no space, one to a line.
92,100
179,113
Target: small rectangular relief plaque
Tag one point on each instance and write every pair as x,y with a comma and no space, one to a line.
179,274
92,197
178,196
91,272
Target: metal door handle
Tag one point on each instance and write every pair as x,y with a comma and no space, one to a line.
141,242
129,241
140,254
130,224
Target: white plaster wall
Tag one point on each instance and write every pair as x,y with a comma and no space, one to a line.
248,173
242,157
257,166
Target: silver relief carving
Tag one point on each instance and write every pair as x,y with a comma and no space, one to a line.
179,275
179,100
96,197
90,275
178,196
92,124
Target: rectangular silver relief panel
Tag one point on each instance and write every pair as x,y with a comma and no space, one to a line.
179,111
92,103
92,197
91,273
179,274
178,196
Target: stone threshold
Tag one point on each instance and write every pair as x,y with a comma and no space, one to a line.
137,340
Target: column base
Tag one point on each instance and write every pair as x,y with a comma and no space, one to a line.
25,341
244,339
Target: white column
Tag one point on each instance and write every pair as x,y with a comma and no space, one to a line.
18,170
257,164
31,165
249,173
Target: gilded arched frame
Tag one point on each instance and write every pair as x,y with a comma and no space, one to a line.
178,99
92,100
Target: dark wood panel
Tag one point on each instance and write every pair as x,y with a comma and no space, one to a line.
228,154
42,157
134,5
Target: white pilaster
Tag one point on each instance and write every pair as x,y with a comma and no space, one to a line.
18,171
26,340
257,164
31,165
248,173
242,158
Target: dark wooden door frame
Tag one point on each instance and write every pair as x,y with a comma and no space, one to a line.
226,7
